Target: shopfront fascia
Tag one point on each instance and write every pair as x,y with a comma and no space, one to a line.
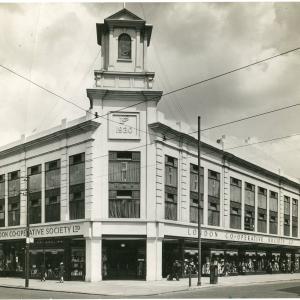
50,245
234,252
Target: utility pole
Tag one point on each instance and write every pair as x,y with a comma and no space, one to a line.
199,201
27,237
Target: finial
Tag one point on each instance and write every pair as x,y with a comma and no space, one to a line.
123,4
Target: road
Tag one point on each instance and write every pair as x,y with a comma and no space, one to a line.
13,293
271,290
274,290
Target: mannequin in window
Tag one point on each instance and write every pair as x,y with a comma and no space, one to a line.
124,47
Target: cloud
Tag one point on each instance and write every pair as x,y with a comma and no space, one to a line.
55,45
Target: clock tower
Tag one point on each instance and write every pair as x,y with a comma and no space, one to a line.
124,39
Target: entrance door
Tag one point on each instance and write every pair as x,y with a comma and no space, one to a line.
124,259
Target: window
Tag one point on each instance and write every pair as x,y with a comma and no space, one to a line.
273,223
249,194
286,205
249,219
273,201
235,203
77,186
52,191
235,190
262,222
124,184
170,188
194,197
124,46
262,198
34,193
14,198
2,200
262,210
213,198
294,218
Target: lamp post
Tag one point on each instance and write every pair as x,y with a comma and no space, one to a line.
199,201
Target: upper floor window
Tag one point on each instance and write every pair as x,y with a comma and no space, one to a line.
249,194
235,190
124,46
262,198
286,205
273,201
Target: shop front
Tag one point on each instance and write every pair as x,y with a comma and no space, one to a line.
44,254
231,258
124,259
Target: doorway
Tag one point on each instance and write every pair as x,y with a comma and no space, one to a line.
124,259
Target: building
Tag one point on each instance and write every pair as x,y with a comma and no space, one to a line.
115,196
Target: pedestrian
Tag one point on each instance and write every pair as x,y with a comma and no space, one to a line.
43,273
61,272
176,269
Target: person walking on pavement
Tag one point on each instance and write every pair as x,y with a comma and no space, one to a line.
61,272
43,273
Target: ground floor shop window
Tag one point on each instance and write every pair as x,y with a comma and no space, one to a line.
11,258
124,259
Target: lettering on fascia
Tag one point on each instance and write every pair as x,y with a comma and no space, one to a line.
124,126
42,231
242,237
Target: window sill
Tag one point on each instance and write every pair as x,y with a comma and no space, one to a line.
124,60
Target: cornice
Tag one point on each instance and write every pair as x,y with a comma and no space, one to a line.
48,138
186,138
117,94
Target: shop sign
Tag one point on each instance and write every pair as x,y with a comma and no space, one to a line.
43,231
124,126
239,237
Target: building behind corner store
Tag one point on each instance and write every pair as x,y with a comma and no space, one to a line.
116,197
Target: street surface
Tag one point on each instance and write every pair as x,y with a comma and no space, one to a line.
270,290
13,293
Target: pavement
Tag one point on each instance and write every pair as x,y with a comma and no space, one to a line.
127,288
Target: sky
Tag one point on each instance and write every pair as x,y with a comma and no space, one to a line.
54,44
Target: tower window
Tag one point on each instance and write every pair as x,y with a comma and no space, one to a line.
124,47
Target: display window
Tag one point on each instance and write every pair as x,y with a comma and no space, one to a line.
11,258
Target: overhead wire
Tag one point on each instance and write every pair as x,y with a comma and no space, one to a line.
153,98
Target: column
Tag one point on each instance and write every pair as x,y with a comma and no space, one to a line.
154,258
110,50
93,259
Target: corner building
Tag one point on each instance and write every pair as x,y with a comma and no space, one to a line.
115,197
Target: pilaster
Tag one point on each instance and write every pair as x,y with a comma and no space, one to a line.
243,206
93,257
89,199
205,196
43,193
64,193
23,190
6,200
268,211
226,196
160,207
184,188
